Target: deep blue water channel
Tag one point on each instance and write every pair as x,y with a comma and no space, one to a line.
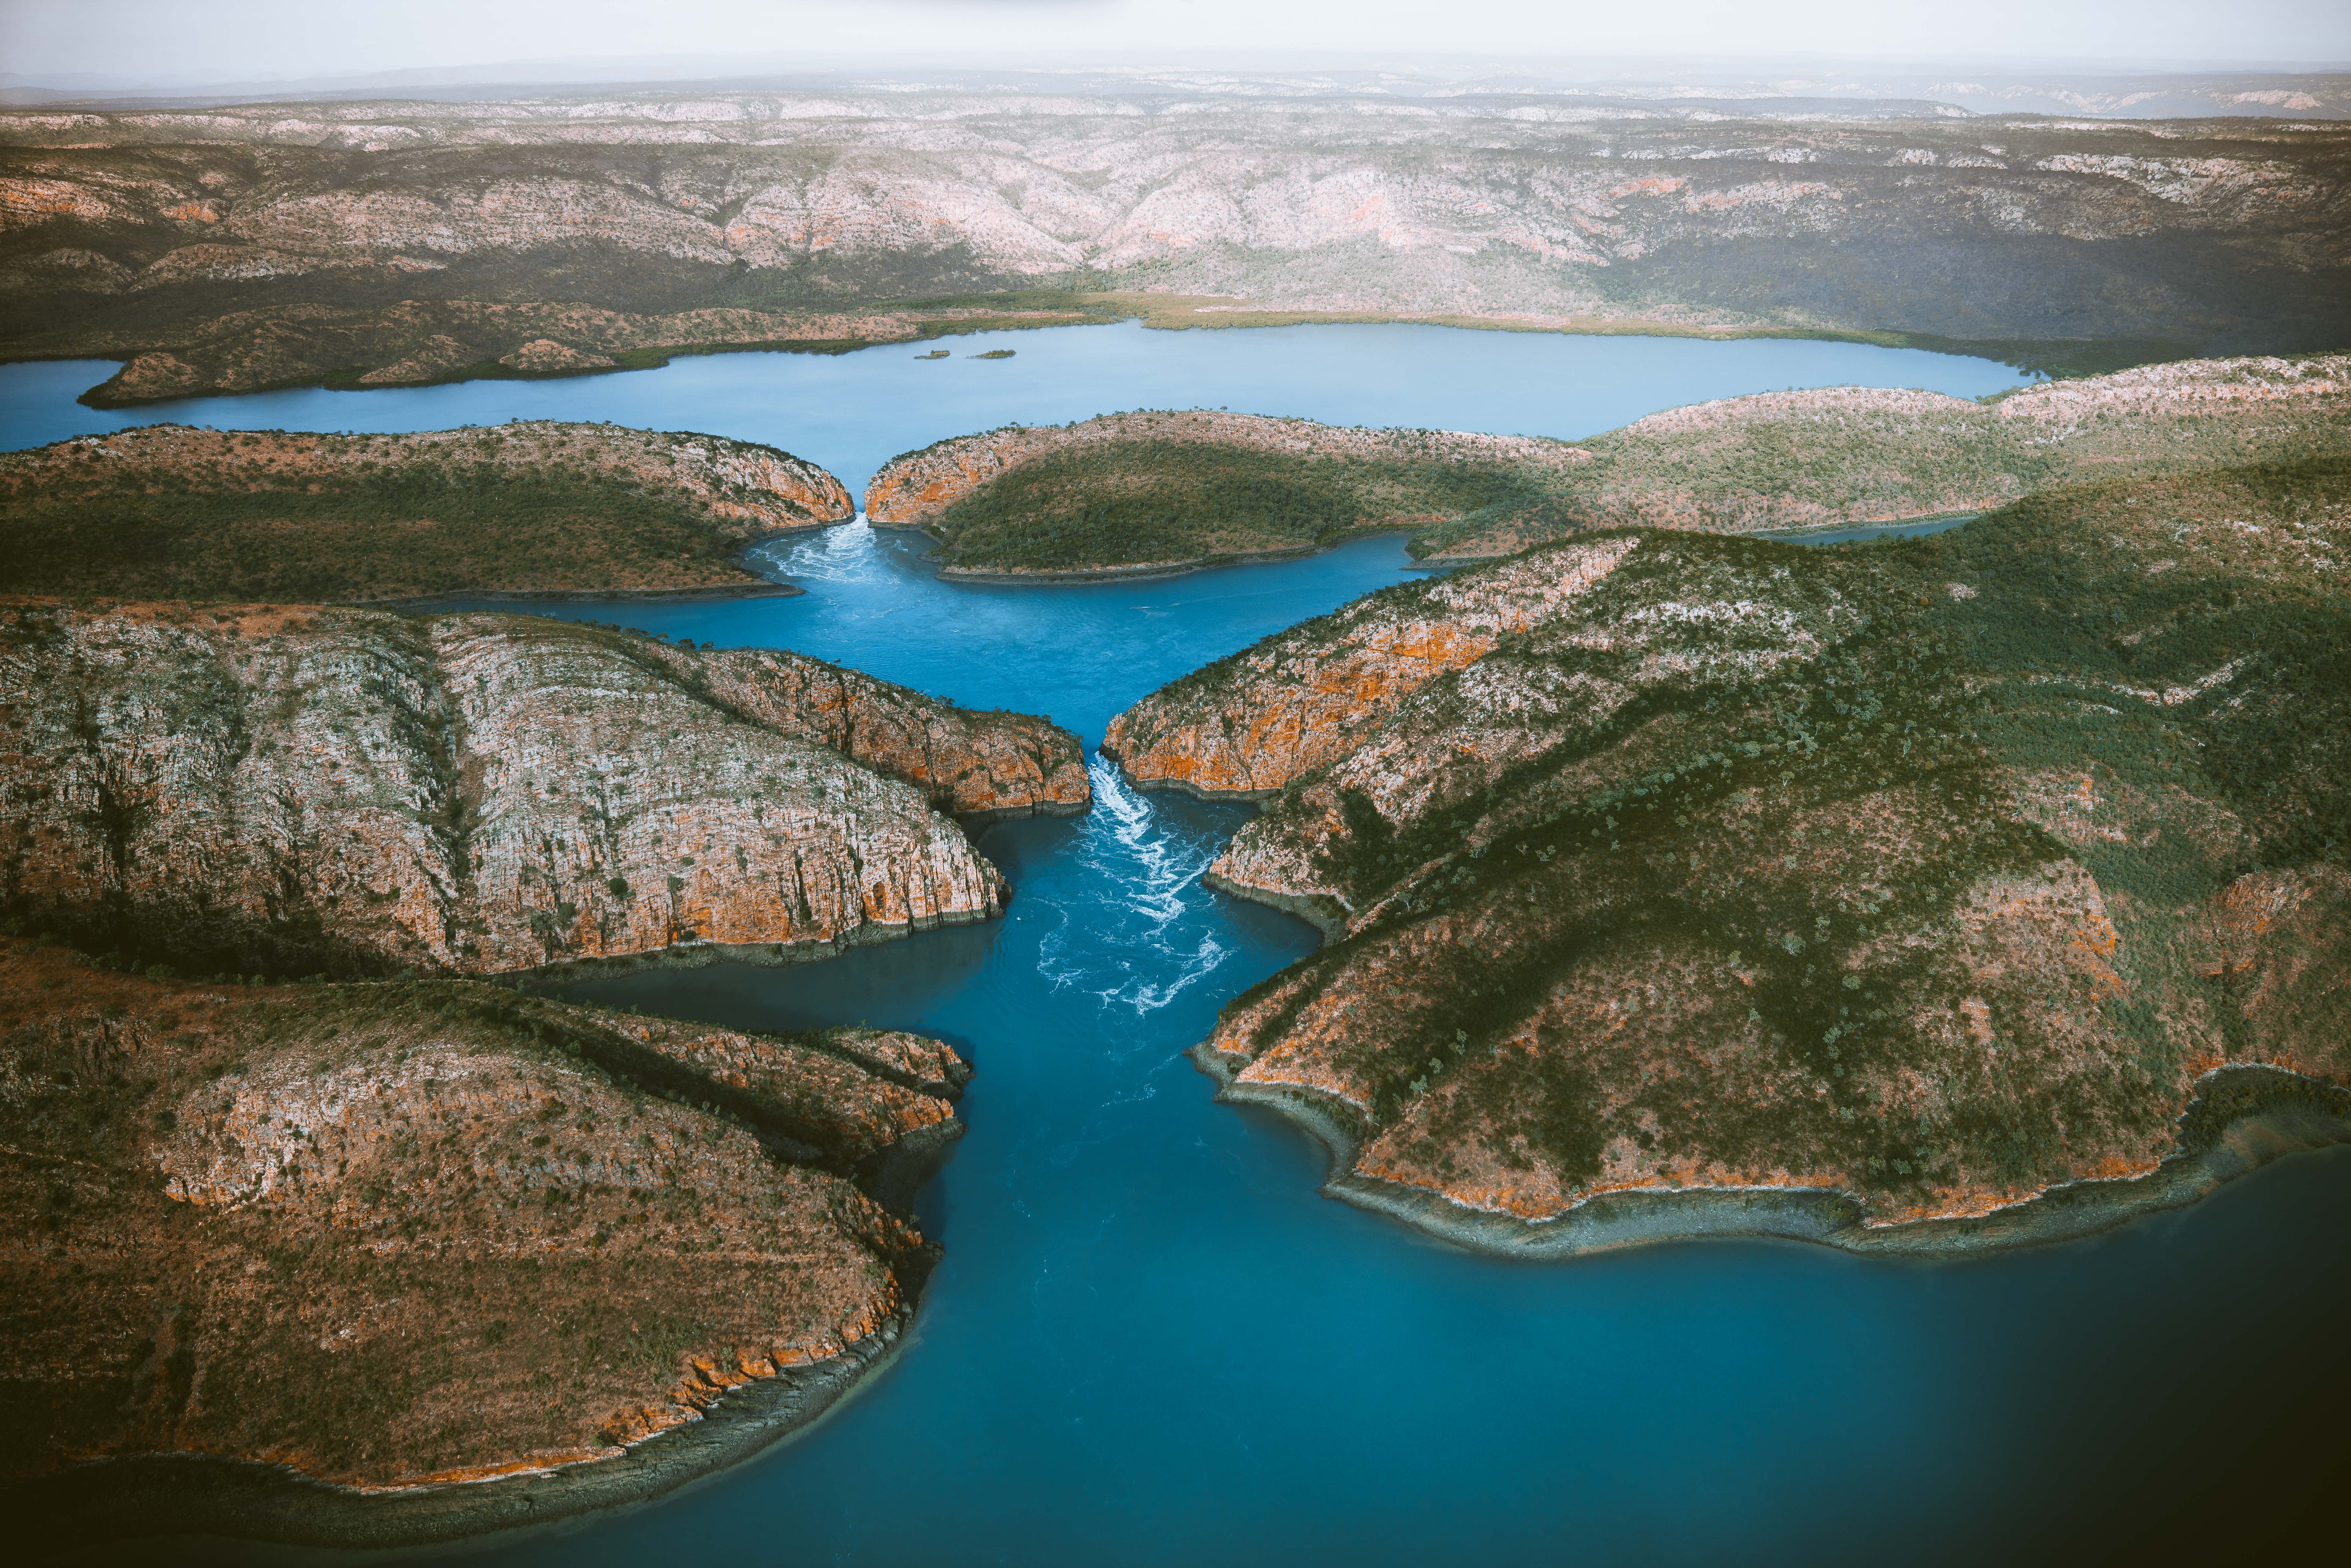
1151,1341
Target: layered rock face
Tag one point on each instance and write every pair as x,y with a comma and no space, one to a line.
167,511
285,790
398,1233
1932,873
1306,699
145,232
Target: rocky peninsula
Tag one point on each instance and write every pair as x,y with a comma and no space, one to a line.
281,790
379,1240
317,1231
1150,492
1983,886
530,507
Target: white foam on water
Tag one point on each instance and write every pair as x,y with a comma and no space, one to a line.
845,552
1131,956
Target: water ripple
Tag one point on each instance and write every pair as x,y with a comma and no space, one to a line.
1134,950
845,552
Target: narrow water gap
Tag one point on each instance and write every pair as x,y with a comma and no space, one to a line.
1151,1339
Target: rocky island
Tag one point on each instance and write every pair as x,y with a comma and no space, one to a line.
529,507
1924,894
1150,492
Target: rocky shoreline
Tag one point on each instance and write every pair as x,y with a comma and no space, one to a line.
1168,568
172,1495
2288,1124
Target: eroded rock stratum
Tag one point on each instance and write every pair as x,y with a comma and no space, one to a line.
1933,875
287,790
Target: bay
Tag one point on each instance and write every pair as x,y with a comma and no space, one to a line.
1151,1341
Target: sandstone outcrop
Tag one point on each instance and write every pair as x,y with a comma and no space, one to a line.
1308,698
167,511
288,789
1936,876
394,1234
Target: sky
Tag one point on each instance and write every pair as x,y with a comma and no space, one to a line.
189,42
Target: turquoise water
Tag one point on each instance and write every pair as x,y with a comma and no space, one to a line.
1151,1341
852,412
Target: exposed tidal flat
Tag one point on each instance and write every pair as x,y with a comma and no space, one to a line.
1150,1340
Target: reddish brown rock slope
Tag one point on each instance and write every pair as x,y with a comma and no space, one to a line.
274,788
398,1233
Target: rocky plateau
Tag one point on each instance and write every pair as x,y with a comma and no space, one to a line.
401,1236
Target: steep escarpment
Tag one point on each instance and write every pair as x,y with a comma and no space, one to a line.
1933,875
1157,490
1852,454
236,245
166,511
282,790
1249,725
399,1234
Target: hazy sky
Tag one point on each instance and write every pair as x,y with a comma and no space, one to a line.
218,40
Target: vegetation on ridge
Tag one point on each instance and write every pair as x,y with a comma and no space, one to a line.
167,512
1149,502
398,1231
1938,870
